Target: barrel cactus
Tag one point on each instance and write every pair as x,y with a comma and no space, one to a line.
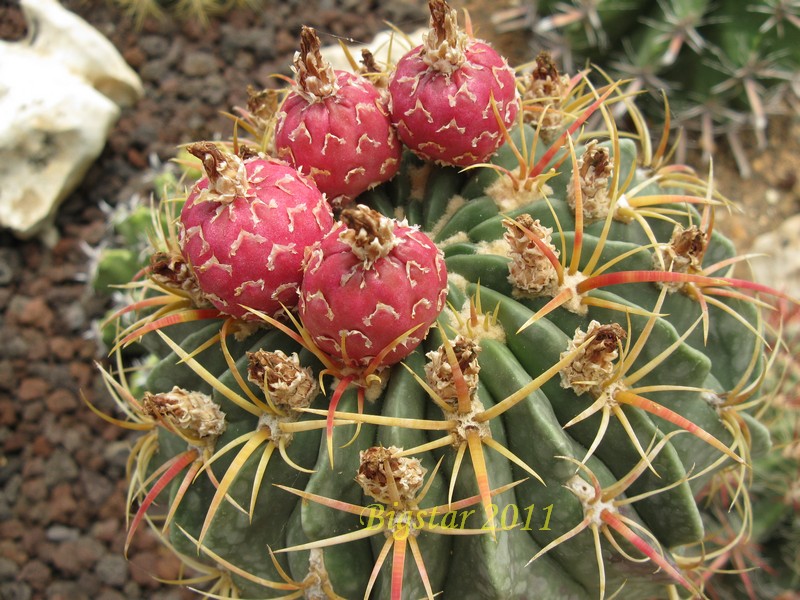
577,423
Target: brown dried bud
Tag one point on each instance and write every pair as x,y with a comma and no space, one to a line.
683,254
530,270
545,88
281,377
172,271
593,366
594,169
378,464
370,65
439,371
368,233
193,414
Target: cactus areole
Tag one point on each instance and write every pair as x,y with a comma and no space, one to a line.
371,281
442,93
334,126
245,228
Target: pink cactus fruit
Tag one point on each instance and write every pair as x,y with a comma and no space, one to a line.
245,227
335,127
371,280
440,94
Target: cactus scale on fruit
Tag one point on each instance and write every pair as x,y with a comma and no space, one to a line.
526,374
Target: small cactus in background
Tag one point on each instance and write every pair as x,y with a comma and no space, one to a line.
727,66
579,422
198,10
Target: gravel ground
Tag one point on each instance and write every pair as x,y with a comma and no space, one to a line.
62,469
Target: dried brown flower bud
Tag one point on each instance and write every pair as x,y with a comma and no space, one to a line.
373,476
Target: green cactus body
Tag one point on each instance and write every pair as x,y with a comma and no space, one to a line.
559,434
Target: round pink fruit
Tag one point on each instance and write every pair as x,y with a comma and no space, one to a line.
335,127
440,95
369,282
245,228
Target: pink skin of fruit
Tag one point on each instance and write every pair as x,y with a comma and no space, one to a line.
371,288
245,228
335,127
440,95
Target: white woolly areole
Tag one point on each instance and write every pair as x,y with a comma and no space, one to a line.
486,327
466,422
317,581
509,194
592,508
574,304
453,204
272,423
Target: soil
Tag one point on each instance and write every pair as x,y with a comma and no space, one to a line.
62,469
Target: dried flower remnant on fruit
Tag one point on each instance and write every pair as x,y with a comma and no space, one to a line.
170,270
595,169
544,89
193,414
407,473
282,378
683,254
226,174
316,78
444,44
369,234
593,365
439,370
530,270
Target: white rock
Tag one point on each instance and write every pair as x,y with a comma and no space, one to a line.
780,266
385,46
60,94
